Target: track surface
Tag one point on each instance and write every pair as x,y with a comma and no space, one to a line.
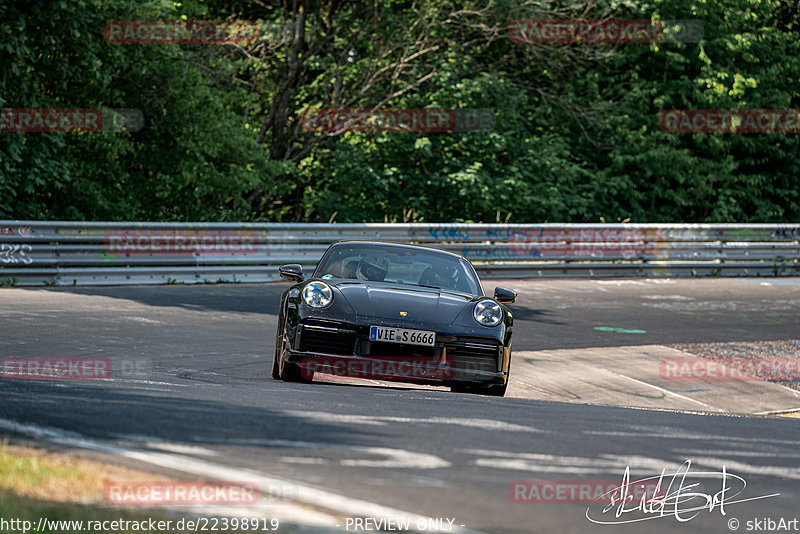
432,453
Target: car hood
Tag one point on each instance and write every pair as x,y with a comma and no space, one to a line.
386,301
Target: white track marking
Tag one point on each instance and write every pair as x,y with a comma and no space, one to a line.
667,433
392,458
640,465
574,465
691,453
343,505
303,460
142,320
182,449
671,393
380,420
397,458
741,467
619,282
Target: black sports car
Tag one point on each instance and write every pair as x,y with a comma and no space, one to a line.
394,312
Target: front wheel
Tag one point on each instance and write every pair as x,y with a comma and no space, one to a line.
276,354
284,370
275,369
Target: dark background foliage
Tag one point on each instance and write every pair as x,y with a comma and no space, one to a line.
576,136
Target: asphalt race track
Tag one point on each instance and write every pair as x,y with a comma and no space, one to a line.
201,403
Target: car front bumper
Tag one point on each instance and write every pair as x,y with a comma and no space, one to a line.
345,350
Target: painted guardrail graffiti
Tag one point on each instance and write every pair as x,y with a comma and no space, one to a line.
14,253
72,253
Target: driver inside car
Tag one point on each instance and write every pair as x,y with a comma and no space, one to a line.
373,268
442,276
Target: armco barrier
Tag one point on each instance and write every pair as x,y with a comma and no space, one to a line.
91,253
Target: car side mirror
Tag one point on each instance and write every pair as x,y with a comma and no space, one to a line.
293,272
502,294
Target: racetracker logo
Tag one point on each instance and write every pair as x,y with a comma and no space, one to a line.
604,31
178,493
767,369
70,120
181,242
397,120
46,368
132,368
542,243
241,32
420,369
583,492
739,121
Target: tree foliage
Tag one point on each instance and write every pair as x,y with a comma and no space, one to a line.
576,136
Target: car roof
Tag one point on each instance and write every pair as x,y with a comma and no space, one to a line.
403,245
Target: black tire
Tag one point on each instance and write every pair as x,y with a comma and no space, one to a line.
288,371
291,373
275,355
479,389
495,391
275,374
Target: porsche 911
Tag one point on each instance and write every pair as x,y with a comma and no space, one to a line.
394,312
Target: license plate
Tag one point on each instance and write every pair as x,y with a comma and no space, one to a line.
402,335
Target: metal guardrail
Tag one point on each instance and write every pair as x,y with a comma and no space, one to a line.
95,253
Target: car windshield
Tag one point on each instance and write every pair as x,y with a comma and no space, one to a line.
402,265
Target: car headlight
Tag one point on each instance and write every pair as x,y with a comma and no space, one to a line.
317,294
488,313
